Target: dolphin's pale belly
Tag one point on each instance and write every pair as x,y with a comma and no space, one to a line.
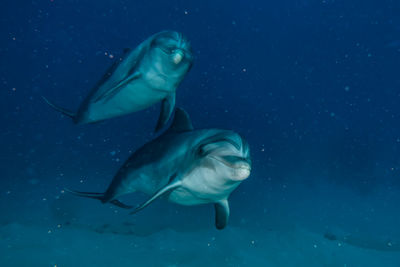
133,97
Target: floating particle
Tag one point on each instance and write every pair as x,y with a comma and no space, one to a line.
347,88
244,69
186,12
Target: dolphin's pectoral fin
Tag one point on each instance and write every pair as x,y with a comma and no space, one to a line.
167,106
174,184
99,196
108,73
114,90
60,109
118,203
122,68
221,214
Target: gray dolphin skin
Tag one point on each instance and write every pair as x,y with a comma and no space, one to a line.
141,78
188,167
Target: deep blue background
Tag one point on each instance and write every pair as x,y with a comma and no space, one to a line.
313,85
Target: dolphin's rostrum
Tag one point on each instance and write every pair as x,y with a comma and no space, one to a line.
187,166
142,77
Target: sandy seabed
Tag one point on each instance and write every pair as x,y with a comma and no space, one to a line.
107,245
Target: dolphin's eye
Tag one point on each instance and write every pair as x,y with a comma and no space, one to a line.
215,146
168,49
201,151
234,161
233,143
164,44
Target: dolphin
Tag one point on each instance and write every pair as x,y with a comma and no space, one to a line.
188,167
140,78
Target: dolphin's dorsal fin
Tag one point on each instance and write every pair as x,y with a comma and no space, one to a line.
167,108
181,122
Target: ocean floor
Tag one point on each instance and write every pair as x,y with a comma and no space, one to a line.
81,245
281,235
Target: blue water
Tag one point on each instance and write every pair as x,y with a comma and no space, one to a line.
314,87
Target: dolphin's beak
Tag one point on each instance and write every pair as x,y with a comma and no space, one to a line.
242,172
240,167
234,162
177,57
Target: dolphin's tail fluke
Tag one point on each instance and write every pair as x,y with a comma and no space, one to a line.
60,109
99,196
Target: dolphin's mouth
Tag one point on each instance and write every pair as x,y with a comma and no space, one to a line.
240,167
234,162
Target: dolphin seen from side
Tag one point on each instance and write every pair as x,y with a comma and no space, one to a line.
142,77
187,166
